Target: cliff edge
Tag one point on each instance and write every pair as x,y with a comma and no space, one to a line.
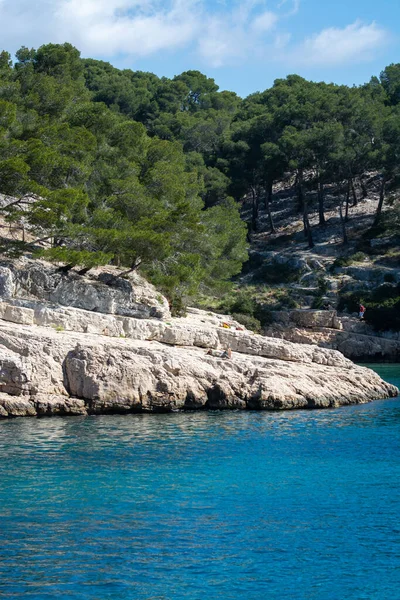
60,358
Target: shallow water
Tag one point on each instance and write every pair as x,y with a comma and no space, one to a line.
231,505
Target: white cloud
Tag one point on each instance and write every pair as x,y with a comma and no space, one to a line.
282,40
227,32
334,47
234,36
294,8
106,27
135,27
264,22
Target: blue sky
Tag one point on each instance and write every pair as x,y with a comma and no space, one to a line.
243,44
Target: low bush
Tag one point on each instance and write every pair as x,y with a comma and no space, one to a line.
263,314
347,261
275,273
318,302
389,278
322,285
384,318
341,261
382,306
247,321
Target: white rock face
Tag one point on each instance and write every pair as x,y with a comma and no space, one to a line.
44,372
7,283
101,291
350,336
66,360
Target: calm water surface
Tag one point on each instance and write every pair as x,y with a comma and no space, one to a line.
301,505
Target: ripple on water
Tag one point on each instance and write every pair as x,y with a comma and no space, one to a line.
202,505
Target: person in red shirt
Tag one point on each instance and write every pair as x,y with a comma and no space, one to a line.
361,312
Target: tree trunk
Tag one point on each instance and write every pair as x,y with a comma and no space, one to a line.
43,239
346,218
134,266
353,191
268,198
254,211
300,191
66,268
322,221
307,227
381,200
364,189
343,223
248,233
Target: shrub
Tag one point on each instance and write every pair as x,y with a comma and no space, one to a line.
244,304
358,257
389,278
275,273
177,306
247,321
290,302
318,302
263,314
346,261
382,304
341,261
350,301
385,292
384,318
322,285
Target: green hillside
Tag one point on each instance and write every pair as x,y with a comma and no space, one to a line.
172,176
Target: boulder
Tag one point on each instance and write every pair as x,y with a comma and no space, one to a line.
100,291
7,283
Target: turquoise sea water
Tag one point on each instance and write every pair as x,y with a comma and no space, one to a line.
231,505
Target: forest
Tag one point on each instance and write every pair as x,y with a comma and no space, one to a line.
106,166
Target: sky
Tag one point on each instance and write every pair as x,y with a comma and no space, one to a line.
243,44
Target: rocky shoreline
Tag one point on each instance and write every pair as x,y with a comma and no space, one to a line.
65,360
355,339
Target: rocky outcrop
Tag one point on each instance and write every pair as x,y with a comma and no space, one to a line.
102,291
44,371
354,339
59,358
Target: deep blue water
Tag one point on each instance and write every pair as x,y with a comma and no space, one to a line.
231,505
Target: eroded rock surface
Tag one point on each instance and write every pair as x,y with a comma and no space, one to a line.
46,372
100,291
353,338
59,358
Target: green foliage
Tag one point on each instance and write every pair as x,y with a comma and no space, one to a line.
382,306
83,173
257,308
84,258
385,317
123,166
247,321
318,302
347,261
322,285
243,303
276,273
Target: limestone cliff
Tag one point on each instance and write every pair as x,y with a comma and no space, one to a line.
354,338
58,359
